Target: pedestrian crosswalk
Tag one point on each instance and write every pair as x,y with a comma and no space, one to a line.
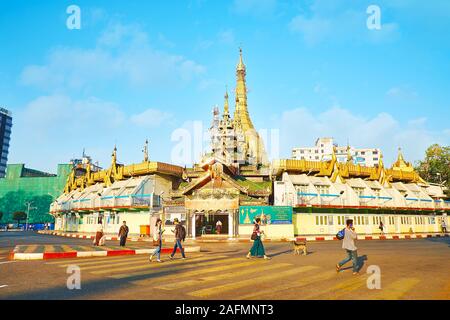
209,275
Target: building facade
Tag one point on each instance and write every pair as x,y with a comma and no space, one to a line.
22,185
5,136
235,183
324,148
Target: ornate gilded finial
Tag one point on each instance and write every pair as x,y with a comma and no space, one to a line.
241,65
145,151
114,155
226,108
349,154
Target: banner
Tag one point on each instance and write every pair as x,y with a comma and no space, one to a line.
268,214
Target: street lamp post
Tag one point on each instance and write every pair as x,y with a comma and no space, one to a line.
28,204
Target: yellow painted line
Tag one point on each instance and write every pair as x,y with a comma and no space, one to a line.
249,282
195,273
67,248
220,268
395,290
348,286
105,262
202,280
49,248
296,284
147,265
110,265
175,268
31,248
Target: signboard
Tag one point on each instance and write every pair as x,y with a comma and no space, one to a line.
268,214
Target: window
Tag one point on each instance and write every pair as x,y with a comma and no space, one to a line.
330,220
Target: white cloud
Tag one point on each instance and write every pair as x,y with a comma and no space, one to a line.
402,92
254,7
151,118
122,53
334,21
300,127
226,36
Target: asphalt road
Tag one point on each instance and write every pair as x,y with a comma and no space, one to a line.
409,269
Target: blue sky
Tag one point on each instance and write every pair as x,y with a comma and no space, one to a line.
143,69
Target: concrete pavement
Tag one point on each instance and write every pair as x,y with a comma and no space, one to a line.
410,269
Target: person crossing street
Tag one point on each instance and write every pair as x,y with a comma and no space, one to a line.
180,235
348,244
123,234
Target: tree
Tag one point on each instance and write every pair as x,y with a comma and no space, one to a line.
435,167
19,215
1,215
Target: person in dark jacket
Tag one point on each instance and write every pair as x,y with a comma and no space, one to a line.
123,234
179,236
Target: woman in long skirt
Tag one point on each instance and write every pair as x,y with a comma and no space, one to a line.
157,237
257,250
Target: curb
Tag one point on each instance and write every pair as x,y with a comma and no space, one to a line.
376,237
299,238
79,236
87,254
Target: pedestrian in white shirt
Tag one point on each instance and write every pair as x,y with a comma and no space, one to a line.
348,244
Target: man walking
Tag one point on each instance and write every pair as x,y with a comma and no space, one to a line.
123,234
348,243
443,225
180,235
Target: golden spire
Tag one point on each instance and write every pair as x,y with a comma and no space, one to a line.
349,155
401,163
241,111
241,65
226,108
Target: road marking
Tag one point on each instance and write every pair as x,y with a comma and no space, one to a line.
205,270
396,290
169,268
3,286
292,285
348,286
339,290
202,280
249,282
147,265
105,261
5,262
30,249
67,248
